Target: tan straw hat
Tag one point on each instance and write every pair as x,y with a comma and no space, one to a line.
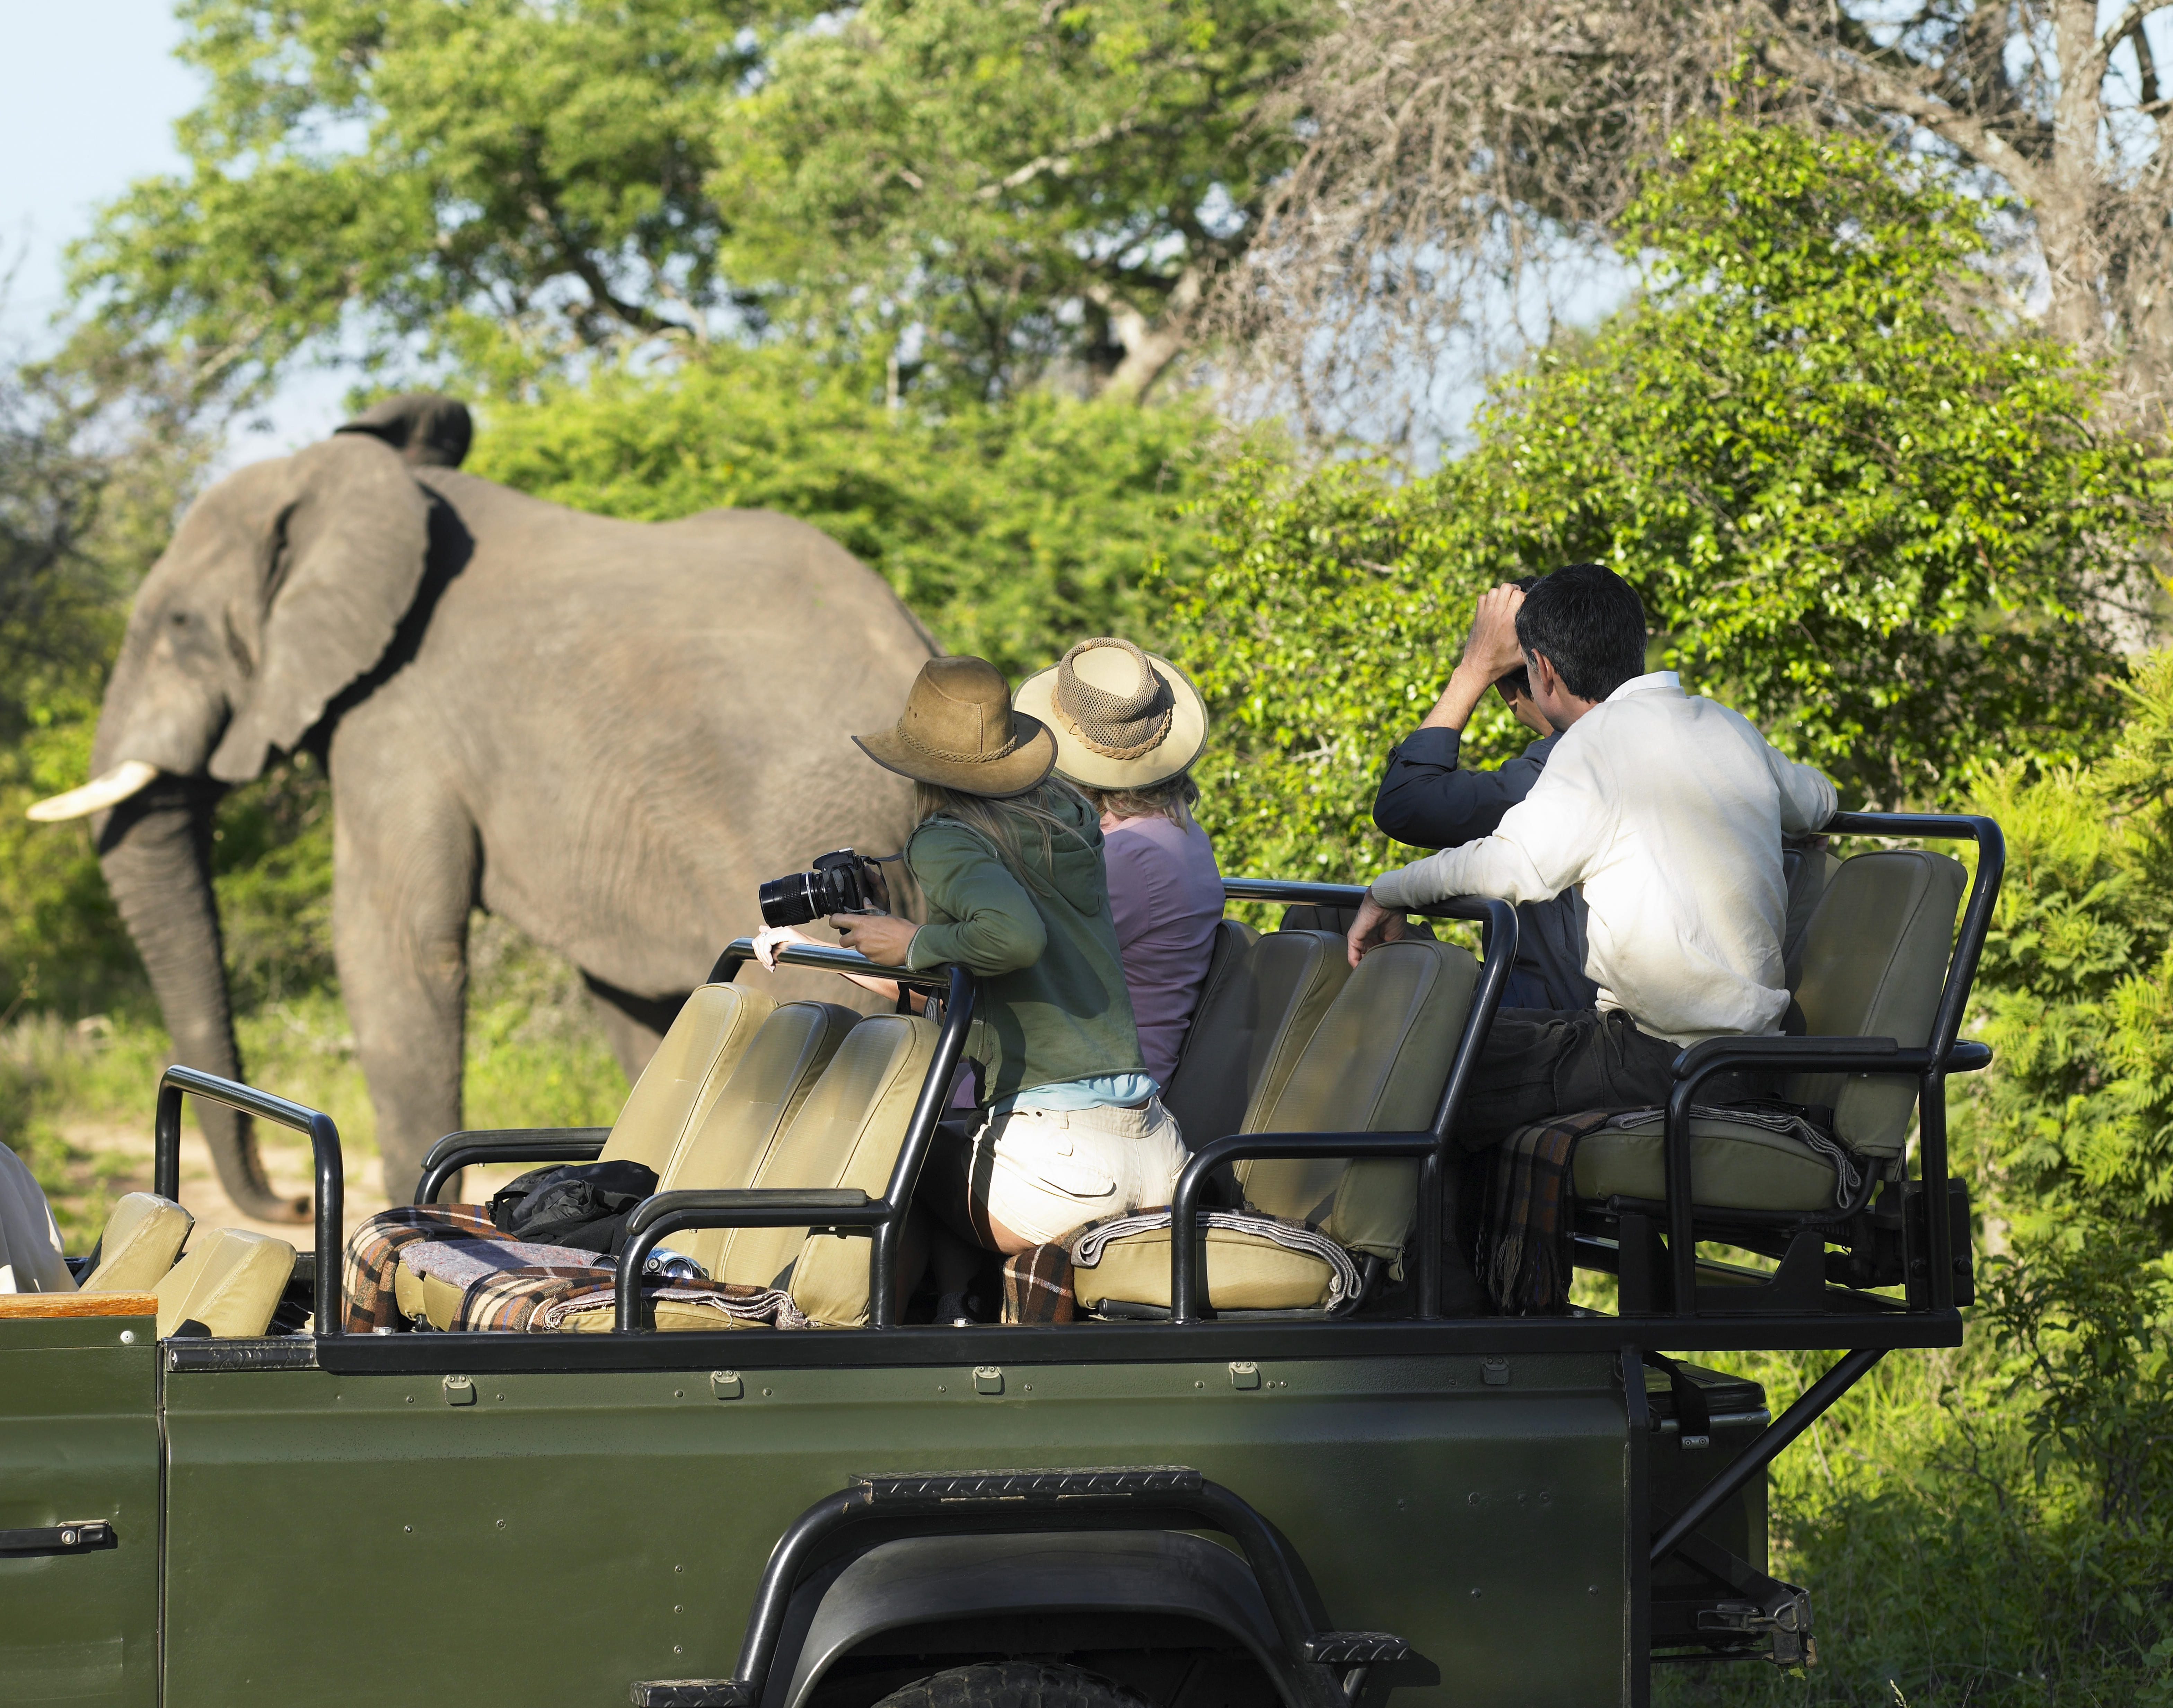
958,732
1124,718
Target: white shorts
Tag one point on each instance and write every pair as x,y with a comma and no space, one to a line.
1045,1173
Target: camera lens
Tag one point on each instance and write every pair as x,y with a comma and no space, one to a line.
791,900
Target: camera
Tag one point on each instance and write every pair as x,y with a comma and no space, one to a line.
838,882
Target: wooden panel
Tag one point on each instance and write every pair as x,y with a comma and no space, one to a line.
78,1304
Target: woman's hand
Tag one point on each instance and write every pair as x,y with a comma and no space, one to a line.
1375,924
772,938
878,936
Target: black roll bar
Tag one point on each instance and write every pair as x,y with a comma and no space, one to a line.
883,1217
330,1306
1939,1056
1497,921
456,1150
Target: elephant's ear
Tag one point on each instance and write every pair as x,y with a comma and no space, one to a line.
355,537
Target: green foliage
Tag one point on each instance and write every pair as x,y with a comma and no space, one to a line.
468,172
1880,526
1011,531
1015,183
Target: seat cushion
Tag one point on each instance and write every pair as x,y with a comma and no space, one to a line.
229,1283
1245,1272
1874,961
1257,1012
1734,1165
143,1236
692,1064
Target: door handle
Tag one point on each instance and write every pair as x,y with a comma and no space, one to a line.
58,1538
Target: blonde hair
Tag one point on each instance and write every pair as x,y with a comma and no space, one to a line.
1004,822
1172,799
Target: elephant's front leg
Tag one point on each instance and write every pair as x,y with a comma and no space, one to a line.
404,880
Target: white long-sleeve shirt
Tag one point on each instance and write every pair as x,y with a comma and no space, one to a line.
1668,809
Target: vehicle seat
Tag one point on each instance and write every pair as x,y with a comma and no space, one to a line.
1874,961
143,1236
1262,1002
228,1286
1377,1062
726,1148
694,1061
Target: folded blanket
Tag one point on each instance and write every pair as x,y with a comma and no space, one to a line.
1037,1287
1086,1247
373,1255
1524,1240
514,1287
1847,1164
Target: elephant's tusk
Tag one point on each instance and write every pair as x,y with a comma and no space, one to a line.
123,780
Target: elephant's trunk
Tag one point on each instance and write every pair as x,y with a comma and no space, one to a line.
155,850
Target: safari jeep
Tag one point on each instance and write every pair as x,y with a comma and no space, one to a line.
1269,1463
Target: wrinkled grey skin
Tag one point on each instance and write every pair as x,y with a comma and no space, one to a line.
608,732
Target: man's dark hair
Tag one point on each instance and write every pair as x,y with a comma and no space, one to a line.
1587,621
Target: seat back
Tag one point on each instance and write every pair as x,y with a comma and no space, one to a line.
1263,999
143,1236
1807,872
1874,960
726,1148
1377,1063
692,1063
228,1285
847,1134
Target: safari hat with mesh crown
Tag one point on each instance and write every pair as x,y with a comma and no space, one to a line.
1122,718
958,732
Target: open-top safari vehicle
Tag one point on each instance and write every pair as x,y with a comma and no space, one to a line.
1265,1465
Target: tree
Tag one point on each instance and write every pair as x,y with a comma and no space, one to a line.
469,175
1883,530
997,187
1463,158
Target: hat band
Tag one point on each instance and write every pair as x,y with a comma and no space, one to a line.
979,757
1156,736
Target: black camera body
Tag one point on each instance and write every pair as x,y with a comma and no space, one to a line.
838,882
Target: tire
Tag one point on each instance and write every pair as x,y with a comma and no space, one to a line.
1012,1684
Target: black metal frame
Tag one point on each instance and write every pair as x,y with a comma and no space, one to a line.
1430,1147
325,1150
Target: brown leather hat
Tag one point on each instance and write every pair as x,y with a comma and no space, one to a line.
958,732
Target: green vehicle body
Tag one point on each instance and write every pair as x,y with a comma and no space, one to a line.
543,1520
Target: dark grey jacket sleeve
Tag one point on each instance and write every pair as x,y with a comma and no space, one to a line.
1427,801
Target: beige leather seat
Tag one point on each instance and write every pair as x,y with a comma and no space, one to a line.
143,1236
1262,1002
1874,960
738,1126
228,1285
693,1063
1377,1062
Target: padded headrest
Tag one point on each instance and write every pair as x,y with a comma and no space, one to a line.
692,1061
1255,1017
142,1236
764,1092
847,1134
1378,1062
1874,960
228,1286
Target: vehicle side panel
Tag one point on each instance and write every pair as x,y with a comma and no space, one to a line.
79,1440
339,1539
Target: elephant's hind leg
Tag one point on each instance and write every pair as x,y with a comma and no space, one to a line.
634,1025
405,874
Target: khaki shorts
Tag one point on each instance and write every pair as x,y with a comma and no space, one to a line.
1045,1173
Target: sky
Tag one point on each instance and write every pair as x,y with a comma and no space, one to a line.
89,91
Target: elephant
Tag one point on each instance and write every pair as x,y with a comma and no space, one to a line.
608,732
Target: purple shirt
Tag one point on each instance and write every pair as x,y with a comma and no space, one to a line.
1166,893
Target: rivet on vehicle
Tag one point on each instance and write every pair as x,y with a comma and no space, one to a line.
987,1379
940,1388
128,1337
767,1392
677,1650
1474,1594
678,1568
679,1609
725,1384
1199,1384
1472,1499
1592,1589
678,1393
1245,1376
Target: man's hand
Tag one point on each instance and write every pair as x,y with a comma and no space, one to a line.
1490,651
1374,924
878,936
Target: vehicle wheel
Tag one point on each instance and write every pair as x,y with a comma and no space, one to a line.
1013,1684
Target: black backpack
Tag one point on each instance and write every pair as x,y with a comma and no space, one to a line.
581,1204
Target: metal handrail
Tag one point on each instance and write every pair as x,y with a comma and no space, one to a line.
330,1306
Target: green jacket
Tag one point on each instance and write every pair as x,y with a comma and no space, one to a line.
1052,1004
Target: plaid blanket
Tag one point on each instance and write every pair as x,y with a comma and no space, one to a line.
373,1255
1525,1253
1037,1287
511,1286
1343,1285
